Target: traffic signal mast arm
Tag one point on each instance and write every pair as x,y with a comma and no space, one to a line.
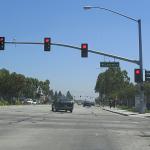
99,53
79,48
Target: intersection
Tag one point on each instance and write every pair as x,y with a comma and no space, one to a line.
37,127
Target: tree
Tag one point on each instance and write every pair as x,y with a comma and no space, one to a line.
4,83
11,85
111,82
55,96
31,86
51,93
69,96
127,95
59,94
14,86
45,86
17,82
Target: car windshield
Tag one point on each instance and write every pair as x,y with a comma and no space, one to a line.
75,75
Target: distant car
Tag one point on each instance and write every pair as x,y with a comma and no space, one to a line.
30,102
92,104
88,104
34,102
63,104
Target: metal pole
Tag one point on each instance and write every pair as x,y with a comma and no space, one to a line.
140,48
141,90
79,48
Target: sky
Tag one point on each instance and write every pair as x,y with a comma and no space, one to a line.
65,21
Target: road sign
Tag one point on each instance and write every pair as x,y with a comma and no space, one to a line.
109,64
147,76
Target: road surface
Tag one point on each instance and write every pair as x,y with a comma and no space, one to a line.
36,127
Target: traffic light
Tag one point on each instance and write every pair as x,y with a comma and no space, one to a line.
2,43
47,44
147,76
138,75
84,50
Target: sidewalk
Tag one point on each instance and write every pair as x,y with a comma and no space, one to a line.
125,112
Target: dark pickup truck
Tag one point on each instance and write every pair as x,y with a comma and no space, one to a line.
62,104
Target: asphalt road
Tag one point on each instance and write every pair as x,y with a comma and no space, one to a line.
38,128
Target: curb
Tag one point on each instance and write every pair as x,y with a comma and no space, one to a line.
116,112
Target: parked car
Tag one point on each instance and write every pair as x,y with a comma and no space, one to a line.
63,104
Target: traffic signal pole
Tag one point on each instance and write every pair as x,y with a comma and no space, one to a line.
140,48
140,61
141,88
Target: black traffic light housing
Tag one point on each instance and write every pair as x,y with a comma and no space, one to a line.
138,75
2,43
147,76
84,50
47,44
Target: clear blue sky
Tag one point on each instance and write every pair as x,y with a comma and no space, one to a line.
66,22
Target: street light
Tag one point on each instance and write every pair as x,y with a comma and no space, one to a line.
140,62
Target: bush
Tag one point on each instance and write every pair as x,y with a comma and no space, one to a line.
148,106
18,102
127,108
3,103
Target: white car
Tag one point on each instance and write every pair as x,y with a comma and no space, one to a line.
34,102
29,102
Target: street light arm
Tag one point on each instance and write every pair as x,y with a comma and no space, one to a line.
118,13
106,9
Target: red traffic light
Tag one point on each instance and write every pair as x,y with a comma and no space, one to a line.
1,39
84,46
137,71
47,44
84,50
47,40
138,75
2,43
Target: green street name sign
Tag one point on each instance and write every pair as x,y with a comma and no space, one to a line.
109,64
